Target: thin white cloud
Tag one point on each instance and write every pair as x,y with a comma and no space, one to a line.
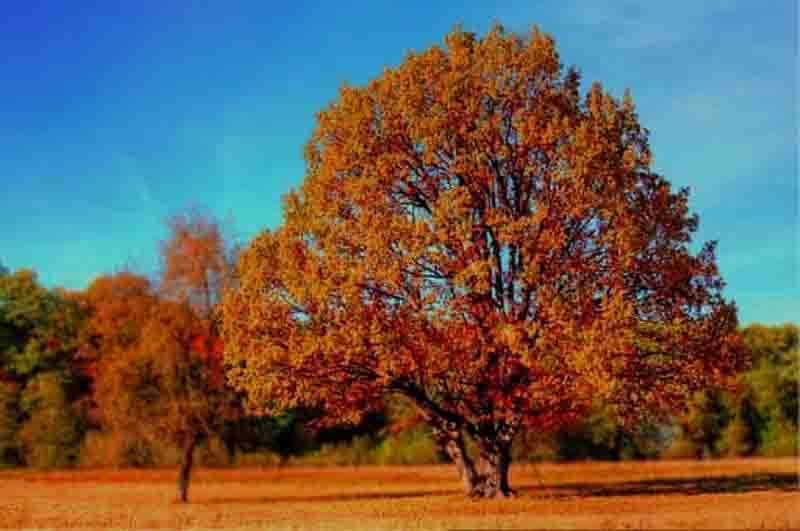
635,25
134,183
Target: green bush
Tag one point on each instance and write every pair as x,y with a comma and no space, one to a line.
9,425
534,447
409,447
779,440
681,447
735,439
358,451
51,434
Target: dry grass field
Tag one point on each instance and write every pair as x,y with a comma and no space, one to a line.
729,494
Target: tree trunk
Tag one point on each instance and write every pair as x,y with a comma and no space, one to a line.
464,465
491,481
495,460
186,468
450,439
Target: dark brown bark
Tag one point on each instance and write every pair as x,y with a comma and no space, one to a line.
185,473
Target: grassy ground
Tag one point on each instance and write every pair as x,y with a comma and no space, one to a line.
738,494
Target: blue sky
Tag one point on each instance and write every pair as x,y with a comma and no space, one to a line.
113,118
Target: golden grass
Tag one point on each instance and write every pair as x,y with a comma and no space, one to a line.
728,494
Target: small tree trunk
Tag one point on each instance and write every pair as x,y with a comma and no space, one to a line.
186,468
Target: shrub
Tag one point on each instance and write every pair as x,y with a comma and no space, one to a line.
358,451
779,440
409,447
9,424
680,447
51,435
735,439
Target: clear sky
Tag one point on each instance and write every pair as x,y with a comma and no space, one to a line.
114,115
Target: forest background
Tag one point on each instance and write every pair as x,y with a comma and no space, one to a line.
128,372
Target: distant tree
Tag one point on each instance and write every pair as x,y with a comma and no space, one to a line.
706,418
771,342
39,337
476,236
50,435
156,354
736,438
38,327
196,260
117,307
761,415
169,386
769,403
598,436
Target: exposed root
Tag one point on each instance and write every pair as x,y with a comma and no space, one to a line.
486,490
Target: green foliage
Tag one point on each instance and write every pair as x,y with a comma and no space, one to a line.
680,448
10,414
769,402
762,417
357,451
735,439
283,435
147,382
534,447
38,327
409,447
779,439
703,424
771,342
39,331
51,434
598,436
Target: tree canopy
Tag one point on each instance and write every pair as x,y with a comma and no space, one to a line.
196,260
476,235
160,358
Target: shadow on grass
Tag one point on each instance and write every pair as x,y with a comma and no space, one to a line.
682,486
351,496
677,486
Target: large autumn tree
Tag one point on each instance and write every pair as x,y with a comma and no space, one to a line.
477,235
